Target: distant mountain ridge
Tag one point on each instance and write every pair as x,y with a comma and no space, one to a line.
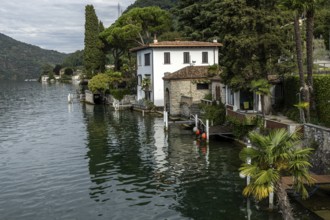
19,61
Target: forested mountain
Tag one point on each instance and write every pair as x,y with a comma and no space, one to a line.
19,61
163,4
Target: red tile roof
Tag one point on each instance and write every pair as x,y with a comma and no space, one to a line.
176,44
189,72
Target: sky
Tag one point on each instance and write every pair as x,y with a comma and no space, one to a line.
54,24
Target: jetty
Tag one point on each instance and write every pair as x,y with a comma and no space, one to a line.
287,181
318,201
221,131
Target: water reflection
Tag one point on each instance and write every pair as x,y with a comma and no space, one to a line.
134,165
79,161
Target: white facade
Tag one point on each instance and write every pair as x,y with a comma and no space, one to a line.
199,56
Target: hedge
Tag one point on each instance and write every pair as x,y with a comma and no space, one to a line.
321,95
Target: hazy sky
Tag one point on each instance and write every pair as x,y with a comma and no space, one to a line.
54,24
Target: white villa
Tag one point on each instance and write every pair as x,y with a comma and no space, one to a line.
158,58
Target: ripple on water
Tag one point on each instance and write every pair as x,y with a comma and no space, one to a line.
61,161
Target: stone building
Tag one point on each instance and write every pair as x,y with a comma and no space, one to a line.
185,88
157,58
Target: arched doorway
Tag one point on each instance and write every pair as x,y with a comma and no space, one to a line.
217,93
167,101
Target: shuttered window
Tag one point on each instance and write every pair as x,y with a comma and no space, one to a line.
147,59
167,58
186,57
205,57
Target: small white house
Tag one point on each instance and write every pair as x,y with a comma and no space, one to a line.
158,58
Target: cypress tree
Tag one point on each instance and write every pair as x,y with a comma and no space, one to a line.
93,53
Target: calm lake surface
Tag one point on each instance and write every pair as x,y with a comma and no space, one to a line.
77,161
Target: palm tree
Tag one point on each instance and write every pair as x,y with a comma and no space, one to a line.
310,7
310,10
298,7
261,87
273,156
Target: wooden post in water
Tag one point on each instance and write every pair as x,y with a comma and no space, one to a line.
166,120
207,131
248,161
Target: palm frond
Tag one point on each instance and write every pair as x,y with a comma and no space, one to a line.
258,191
269,176
249,169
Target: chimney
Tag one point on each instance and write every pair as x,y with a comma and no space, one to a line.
215,41
155,39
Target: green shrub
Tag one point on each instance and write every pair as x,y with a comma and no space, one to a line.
208,96
321,97
240,128
215,113
119,93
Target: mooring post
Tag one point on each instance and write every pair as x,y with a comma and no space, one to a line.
207,131
248,161
166,121
142,113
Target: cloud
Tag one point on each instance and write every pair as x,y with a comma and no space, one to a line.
56,25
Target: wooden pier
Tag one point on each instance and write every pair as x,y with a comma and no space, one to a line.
318,180
221,131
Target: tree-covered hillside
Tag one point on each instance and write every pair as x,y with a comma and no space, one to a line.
19,61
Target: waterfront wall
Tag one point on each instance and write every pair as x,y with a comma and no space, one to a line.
318,137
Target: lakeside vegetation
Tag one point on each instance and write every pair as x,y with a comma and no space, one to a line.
258,42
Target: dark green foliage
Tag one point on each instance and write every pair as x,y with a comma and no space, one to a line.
196,18
93,52
134,28
74,60
68,71
171,36
250,32
47,70
57,69
19,61
215,113
322,22
163,4
240,128
291,90
321,93
119,93
322,98
253,41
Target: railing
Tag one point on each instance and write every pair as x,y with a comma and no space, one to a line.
200,124
206,101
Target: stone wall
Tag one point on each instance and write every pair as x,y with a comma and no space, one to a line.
222,87
179,88
89,97
318,138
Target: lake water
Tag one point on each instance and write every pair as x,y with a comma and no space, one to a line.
77,161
